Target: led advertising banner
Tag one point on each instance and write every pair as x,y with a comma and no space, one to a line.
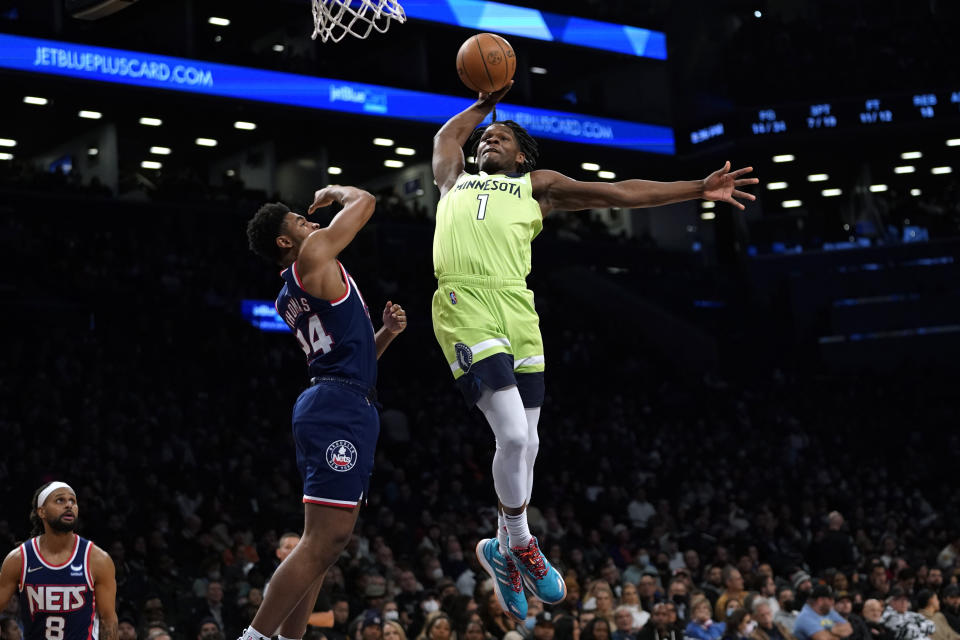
208,78
506,19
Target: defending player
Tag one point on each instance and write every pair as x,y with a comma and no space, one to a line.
483,314
335,421
67,584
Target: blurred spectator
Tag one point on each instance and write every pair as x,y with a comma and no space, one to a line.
660,626
766,627
950,607
818,620
701,625
903,623
928,604
739,625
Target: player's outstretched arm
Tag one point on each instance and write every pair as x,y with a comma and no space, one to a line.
324,245
105,589
448,143
555,191
10,577
394,321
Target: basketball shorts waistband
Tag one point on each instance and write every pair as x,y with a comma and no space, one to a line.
483,282
368,392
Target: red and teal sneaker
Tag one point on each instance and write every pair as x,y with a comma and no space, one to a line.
538,574
507,582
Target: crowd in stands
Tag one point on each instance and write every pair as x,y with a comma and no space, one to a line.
674,507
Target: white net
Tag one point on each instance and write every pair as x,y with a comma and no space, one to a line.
335,19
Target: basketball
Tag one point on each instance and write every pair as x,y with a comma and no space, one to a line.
486,62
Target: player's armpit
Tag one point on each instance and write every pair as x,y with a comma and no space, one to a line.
10,576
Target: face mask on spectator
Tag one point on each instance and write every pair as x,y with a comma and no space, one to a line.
391,615
643,560
430,605
437,573
730,610
530,622
751,627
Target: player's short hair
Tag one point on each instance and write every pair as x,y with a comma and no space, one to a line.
529,146
263,229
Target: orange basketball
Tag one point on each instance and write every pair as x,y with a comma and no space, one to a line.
486,62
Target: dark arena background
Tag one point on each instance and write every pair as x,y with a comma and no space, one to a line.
740,406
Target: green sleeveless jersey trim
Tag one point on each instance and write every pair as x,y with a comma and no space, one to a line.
485,224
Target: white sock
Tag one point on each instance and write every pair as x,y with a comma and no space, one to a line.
518,530
252,634
533,445
502,536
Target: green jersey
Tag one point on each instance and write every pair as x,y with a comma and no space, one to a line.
485,224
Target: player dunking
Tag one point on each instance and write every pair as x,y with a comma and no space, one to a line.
67,584
335,421
483,314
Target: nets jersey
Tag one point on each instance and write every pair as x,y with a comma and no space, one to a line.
57,601
336,335
485,224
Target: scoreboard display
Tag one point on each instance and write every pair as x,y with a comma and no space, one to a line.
869,112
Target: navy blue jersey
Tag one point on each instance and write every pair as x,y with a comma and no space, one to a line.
57,601
335,335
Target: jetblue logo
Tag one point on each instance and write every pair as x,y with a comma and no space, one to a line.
342,455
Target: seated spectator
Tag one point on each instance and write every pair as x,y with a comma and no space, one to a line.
739,625
623,620
393,631
767,628
929,605
660,626
950,607
543,627
873,620
787,614
596,629
733,590
631,600
905,624
818,620
436,627
701,625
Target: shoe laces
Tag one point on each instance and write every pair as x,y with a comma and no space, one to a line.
532,559
516,582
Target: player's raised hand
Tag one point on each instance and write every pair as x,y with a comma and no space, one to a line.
723,185
496,96
325,197
394,318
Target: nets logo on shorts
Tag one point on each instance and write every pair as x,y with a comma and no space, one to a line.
341,456
464,356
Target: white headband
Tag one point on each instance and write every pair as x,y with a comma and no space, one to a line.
53,486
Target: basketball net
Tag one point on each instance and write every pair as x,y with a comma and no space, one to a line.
335,19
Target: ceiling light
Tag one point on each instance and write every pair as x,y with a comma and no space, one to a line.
206,142
915,192
940,170
383,142
393,164
220,22
6,156
911,155
904,169
540,71
246,126
151,164
90,115
818,177
707,204
334,171
405,151
278,48
791,204
757,14
829,193
776,186
606,175
160,151
787,157
590,166
92,151
878,188
231,173
35,100
6,142
151,122
953,142
708,215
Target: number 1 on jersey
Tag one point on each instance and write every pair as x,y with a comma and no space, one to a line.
482,211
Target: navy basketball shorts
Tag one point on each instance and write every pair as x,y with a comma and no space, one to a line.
335,430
